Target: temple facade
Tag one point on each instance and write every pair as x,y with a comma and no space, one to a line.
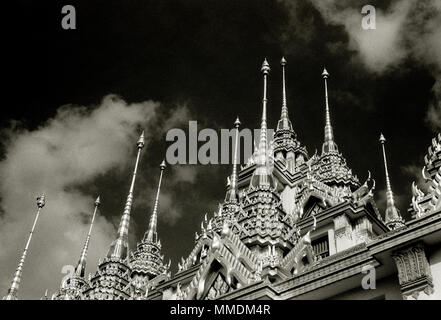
291,226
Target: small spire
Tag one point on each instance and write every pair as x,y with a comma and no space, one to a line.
12,292
120,247
265,67
141,141
329,145
151,234
284,122
392,216
81,266
232,192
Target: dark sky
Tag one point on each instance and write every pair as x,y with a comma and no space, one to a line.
207,55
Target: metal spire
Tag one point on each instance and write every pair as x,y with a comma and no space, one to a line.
329,145
81,266
120,247
284,122
262,171
392,216
151,232
231,194
12,292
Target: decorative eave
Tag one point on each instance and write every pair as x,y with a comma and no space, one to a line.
433,157
346,265
353,212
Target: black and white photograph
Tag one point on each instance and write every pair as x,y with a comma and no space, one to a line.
220,150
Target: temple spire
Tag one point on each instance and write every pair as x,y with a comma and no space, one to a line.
120,247
232,192
284,122
81,266
12,292
393,218
151,234
329,145
261,173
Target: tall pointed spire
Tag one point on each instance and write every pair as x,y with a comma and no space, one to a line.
261,173
329,145
393,218
263,125
232,192
12,292
284,122
151,234
81,266
120,247
147,262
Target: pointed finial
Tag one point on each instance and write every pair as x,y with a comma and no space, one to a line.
261,173
265,67
162,165
41,201
237,123
328,144
284,123
232,192
81,266
393,218
141,141
382,139
151,233
120,247
97,202
12,292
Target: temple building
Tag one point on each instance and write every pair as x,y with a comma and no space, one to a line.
291,226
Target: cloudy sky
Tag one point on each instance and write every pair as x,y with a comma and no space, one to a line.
75,101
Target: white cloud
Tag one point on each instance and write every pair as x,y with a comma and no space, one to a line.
407,29
184,173
69,150
378,48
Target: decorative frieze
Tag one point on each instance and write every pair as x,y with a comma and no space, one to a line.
413,271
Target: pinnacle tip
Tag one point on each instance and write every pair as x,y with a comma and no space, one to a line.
141,141
283,61
237,123
265,67
162,165
325,73
41,201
